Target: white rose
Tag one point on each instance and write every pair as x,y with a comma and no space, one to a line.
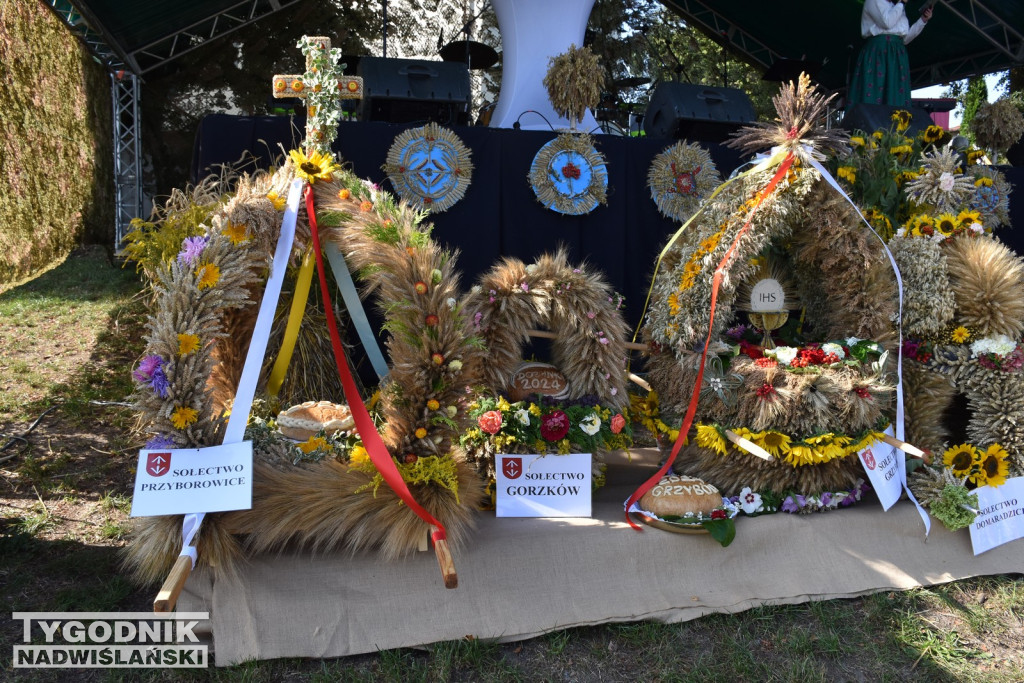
784,354
946,182
523,416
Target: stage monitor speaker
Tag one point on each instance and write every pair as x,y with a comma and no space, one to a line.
872,117
697,112
410,90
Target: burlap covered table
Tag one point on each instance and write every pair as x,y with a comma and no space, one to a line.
523,577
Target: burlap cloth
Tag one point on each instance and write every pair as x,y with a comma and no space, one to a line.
523,577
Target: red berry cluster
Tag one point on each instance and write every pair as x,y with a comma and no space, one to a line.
765,391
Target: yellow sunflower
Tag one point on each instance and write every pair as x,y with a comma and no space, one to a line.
775,443
183,416
961,459
973,156
947,224
993,467
847,173
801,454
857,141
313,168
708,437
901,117
900,149
187,343
932,134
960,335
966,218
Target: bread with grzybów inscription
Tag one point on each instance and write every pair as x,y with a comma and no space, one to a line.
681,496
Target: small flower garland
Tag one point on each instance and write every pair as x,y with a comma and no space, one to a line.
754,504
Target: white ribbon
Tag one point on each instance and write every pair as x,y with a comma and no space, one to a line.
235,430
898,423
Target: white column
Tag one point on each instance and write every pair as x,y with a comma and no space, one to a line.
533,31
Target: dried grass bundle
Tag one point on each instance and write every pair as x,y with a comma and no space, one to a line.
574,81
987,281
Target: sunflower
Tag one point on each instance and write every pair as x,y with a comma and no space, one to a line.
802,454
961,459
947,224
966,218
708,437
901,117
960,335
857,141
974,155
994,468
775,443
932,134
900,149
314,167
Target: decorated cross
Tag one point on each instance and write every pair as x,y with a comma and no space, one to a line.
322,86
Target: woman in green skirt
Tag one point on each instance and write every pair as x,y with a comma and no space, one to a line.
882,74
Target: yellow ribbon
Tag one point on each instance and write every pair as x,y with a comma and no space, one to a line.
772,161
291,331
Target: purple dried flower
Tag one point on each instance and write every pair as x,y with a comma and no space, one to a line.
789,505
826,499
910,348
191,249
147,366
159,383
160,441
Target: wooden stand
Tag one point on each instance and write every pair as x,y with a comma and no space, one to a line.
167,598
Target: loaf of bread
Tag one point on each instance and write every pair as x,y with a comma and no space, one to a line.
306,419
681,496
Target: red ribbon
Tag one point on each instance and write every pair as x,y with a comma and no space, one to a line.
374,444
715,283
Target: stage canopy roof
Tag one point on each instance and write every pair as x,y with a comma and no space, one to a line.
965,37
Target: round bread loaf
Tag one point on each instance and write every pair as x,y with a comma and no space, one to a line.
677,495
306,419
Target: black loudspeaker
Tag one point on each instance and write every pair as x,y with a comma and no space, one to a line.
872,117
697,112
410,90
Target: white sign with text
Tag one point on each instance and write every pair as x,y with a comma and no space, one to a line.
543,485
1000,515
882,464
186,480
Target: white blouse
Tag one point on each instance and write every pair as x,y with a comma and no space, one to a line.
882,16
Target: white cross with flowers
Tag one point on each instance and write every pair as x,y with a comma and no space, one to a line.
323,86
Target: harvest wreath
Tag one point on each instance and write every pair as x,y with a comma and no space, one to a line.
326,492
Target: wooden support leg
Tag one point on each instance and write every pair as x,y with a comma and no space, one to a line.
167,598
444,560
